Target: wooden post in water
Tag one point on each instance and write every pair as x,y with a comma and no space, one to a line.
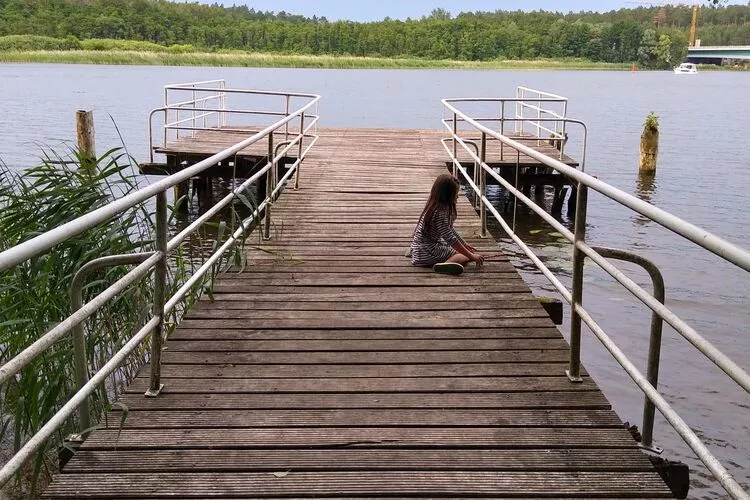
85,138
649,144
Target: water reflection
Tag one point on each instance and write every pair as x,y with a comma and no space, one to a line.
551,246
645,189
201,198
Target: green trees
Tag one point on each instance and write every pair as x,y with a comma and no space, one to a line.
622,36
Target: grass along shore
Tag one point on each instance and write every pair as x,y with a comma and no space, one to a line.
268,60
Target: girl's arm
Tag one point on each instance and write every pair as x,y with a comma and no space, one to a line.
461,247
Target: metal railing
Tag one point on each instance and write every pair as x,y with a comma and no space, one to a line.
543,105
543,120
302,139
194,97
200,106
581,250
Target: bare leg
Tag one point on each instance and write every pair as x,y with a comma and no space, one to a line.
458,258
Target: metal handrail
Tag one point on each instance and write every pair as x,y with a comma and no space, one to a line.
521,102
448,124
156,261
713,243
198,109
539,96
220,81
654,344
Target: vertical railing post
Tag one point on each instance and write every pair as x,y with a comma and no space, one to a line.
516,185
502,127
574,370
455,144
538,122
654,355
204,103
194,106
475,178
166,113
286,114
269,189
160,286
564,128
483,184
223,99
516,123
79,355
299,151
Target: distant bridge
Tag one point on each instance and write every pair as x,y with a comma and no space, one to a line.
715,54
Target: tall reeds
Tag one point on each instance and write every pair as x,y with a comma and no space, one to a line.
35,295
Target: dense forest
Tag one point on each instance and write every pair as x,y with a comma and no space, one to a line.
651,36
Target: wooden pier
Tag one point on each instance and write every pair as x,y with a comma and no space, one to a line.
188,150
331,367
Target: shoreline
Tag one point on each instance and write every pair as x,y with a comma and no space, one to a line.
269,60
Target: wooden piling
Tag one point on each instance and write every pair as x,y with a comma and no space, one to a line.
85,139
649,144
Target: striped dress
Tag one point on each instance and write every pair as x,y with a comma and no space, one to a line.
433,244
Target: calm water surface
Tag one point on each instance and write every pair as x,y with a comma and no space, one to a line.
703,176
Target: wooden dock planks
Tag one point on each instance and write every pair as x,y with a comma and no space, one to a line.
331,367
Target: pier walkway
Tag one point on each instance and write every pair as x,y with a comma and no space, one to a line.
331,367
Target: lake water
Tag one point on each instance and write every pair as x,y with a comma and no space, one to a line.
703,177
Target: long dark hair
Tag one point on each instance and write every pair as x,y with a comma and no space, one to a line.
443,195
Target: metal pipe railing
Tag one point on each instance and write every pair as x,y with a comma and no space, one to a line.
528,95
654,345
584,142
709,242
581,250
157,261
76,302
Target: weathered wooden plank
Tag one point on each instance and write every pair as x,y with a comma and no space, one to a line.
360,437
550,400
385,267
392,384
266,272
428,278
349,484
366,418
379,357
367,317
361,370
337,322
364,345
249,333
582,460
289,303
508,300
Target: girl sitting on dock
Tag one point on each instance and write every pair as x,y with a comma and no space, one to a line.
435,243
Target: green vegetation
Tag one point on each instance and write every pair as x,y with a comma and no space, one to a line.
35,295
652,37
36,42
652,122
236,58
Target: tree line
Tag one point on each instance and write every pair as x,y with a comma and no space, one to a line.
653,37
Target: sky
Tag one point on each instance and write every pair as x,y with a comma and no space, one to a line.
375,10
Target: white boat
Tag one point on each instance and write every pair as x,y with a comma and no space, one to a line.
686,69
